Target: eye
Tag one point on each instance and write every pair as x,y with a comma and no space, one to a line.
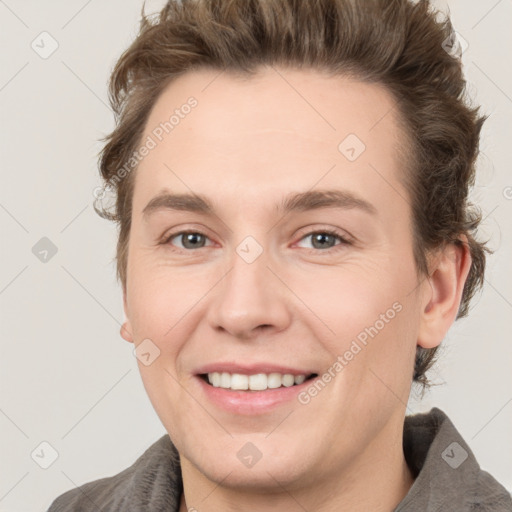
322,239
189,239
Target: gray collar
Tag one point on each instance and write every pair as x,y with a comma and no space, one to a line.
447,476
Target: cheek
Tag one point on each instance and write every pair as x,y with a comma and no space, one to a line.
160,295
150,310
352,298
372,316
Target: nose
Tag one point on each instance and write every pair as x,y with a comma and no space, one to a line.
251,299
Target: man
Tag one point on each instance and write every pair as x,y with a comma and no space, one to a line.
295,242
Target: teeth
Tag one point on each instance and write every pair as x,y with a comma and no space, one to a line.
288,380
299,379
256,382
239,381
274,380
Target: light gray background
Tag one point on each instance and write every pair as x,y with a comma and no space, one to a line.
67,377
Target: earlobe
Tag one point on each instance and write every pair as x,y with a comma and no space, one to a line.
126,332
446,282
126,328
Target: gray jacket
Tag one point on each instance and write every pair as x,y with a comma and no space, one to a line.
447,477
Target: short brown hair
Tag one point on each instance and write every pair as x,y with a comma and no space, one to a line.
397,43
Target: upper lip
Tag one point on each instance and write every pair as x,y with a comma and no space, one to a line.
250,369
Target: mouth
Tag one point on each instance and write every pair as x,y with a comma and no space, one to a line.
252,390
254,383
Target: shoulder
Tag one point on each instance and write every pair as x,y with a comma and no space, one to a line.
152,483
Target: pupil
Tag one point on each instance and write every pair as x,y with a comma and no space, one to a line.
191,237
320,237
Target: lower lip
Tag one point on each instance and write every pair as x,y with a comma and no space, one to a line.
251,402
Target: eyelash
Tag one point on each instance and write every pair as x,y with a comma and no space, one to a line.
344,241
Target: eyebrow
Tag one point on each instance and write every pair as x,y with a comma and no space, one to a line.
303,201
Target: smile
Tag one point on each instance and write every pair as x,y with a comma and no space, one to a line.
254,382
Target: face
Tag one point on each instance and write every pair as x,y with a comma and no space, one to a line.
279,276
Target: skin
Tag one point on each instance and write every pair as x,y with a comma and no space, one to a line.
261,139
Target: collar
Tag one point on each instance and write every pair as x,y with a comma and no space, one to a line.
447,476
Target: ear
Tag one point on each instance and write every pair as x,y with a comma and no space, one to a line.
126,328
447,277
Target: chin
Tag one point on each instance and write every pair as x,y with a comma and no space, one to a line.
265,477
251,462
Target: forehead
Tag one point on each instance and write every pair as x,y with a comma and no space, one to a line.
281,128
306,104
